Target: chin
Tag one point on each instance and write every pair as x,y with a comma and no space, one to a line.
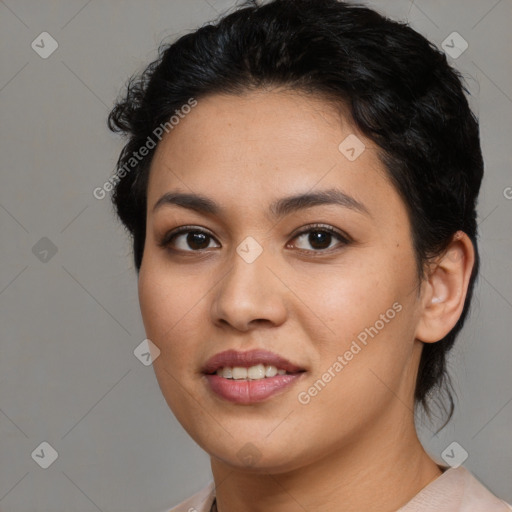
247,456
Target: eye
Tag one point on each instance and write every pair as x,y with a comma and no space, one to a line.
320,237
196,239
192,239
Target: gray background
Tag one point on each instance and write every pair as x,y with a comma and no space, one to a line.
70,321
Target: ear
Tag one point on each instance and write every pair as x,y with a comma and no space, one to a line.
444,291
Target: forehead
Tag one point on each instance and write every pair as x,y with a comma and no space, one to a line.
263,145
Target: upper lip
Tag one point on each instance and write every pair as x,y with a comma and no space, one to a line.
247,359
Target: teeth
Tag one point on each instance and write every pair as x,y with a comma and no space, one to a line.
226,372
255,372
239,373
270,371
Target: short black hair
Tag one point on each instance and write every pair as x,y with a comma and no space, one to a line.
397,86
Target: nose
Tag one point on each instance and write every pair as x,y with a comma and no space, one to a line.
250,295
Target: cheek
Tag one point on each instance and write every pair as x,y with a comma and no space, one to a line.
348,295
174,302
367,346
361,306
170,309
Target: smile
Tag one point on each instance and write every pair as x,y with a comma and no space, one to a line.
249,377
255,372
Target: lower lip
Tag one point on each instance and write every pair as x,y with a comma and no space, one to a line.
250,391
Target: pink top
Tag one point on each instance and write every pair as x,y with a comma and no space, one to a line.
456,490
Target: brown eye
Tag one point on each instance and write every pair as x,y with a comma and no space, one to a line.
320,238
197,240
187,240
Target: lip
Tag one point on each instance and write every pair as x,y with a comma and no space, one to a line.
247,359
249,391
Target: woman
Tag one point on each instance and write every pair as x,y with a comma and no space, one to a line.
300,181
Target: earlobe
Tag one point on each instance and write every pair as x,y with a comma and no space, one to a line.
445,290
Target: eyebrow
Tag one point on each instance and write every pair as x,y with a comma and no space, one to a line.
278,209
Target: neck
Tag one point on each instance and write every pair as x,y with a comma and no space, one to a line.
370,473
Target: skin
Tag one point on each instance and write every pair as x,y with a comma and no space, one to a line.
355,440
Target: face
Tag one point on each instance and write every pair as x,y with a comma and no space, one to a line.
322,287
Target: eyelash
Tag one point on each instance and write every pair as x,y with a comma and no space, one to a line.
168,238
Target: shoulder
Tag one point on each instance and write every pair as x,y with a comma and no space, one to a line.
477,497
199,502
456,490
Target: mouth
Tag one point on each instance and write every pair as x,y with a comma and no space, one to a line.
252,364
248,377
256,372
